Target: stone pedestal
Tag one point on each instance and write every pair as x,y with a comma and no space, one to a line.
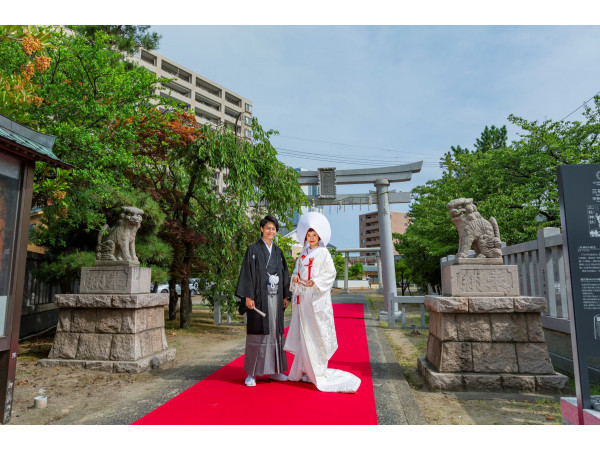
487,342
113,325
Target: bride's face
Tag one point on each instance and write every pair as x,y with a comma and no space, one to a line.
313,238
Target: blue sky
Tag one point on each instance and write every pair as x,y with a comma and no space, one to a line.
391,94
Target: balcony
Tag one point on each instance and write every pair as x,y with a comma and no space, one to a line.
233,99
148,58
209,88
207,116
176,71
181,103
208,102
179,89
231,113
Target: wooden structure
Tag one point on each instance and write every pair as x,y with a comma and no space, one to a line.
20,148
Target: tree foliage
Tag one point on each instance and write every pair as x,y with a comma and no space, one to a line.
403,274
125,151
515,183
356,271
126,38
339,261
285,243
210,231
22,59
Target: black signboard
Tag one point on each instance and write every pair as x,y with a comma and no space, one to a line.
579,195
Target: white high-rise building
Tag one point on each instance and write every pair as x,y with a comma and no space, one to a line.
210,102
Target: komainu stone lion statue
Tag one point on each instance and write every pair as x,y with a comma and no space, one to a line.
118,243
474,230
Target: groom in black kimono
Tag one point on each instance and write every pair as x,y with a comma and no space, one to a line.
264,285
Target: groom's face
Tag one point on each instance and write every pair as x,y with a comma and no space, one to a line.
268,231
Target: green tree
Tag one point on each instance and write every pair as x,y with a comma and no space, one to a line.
356,271
515,183
87,93
285,243
339,261
210,231
432,235
126,38
23,57
403,275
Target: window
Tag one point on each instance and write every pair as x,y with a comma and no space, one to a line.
248,133
248,108
362,241
362,226
248,120
362,234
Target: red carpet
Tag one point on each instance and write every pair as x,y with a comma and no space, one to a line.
222,398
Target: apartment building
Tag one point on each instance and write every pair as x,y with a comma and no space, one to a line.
368,228
209,101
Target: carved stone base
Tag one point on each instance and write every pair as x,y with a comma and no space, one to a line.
488,343
124,331
149,362
121,279
480,280
553,383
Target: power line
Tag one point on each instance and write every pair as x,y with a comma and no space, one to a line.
338,159
577,109
347,145
289,152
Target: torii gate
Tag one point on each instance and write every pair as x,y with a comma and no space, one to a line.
381,177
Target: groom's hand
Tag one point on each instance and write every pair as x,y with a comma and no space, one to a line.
285,303
249,303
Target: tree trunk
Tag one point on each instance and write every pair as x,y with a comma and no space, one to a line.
172,300
185,309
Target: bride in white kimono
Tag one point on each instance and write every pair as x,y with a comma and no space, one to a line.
311,336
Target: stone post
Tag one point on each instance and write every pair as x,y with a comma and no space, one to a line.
346,290
379,280
387,246
217,311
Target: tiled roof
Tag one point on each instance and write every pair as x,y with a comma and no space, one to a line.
39,143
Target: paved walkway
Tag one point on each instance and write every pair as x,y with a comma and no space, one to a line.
394,401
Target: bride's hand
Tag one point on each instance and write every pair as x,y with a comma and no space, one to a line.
295,279
309,283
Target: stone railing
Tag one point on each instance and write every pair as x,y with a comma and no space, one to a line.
542,273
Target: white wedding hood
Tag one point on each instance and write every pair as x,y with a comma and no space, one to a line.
317,222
